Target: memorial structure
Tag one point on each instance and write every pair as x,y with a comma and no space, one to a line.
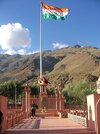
50,105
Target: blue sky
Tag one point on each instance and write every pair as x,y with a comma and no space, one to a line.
20,26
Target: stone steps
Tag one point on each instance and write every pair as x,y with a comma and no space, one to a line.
48,113
48,125
50,132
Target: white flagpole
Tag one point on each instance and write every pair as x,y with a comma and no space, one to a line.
40,40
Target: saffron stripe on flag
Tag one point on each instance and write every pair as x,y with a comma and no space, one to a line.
51,12
49,7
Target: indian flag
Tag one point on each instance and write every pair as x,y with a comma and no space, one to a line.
51,12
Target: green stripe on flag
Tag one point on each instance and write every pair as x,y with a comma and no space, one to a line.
53,16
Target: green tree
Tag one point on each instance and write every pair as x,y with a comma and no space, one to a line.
82,89
8,89
51,91
68,93
35,90
76,94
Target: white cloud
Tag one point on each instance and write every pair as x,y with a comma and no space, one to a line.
14,37
58,45
22,51
34,52
10,52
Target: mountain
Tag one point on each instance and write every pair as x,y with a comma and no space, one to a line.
69,65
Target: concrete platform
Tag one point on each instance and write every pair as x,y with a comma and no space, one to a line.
48,125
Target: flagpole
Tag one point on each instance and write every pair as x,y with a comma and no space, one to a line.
40,40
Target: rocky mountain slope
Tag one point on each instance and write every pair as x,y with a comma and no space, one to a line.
69,65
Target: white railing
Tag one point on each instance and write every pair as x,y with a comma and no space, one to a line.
79,119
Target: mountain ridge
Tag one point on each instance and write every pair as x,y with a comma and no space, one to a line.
70,65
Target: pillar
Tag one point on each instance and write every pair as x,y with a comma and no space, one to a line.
91,107
43,101
98,117
61,100
26,99
57,98
3,108
98,85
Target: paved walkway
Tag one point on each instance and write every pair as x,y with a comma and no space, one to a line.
48,125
